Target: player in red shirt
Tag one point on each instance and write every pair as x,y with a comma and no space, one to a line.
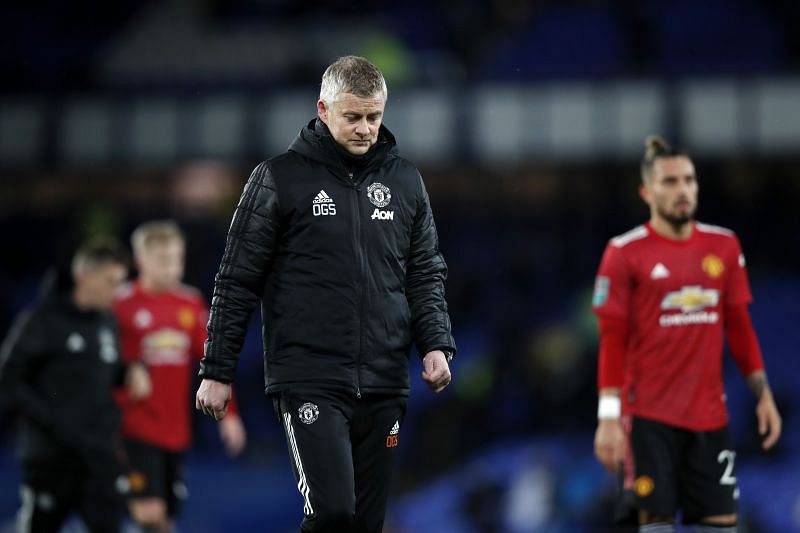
162,324
665,293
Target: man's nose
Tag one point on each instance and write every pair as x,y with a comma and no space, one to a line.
362,128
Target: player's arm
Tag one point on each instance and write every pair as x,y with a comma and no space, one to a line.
746,351
426,274
23,350
249,250
609,442
136,380
131,378
611,304
233,434
231,427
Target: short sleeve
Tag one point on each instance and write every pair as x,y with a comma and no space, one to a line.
612,286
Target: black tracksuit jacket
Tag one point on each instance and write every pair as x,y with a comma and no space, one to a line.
58,368
343,254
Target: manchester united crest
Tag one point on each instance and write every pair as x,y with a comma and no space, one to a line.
186,317
644,486
713,266
308,413
379,194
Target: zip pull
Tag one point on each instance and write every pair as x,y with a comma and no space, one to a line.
350,175
358,393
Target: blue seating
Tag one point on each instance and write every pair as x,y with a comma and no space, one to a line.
698,37
560,42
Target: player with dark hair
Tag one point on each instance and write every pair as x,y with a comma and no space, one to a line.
666,293
163,326
58,367
336,239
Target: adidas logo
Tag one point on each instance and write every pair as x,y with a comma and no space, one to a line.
659,272
323,204
322,198
395,428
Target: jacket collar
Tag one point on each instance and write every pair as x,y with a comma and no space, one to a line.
315,142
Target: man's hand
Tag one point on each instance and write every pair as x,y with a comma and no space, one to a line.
137,381
609,443
233,435
212,398
769,420
437,371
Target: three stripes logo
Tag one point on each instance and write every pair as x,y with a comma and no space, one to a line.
302,482
392,439
323,205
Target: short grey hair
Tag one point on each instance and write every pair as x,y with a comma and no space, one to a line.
351,74
97,252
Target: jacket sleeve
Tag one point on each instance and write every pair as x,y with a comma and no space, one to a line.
425,277
239,283
122,366
21,352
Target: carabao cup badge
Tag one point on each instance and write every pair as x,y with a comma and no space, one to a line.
379,194
308,413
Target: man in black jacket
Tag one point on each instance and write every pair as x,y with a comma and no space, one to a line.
336,239
58,367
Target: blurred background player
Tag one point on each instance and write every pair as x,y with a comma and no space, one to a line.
58,367
664,293
162,324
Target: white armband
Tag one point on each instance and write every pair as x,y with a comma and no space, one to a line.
609,407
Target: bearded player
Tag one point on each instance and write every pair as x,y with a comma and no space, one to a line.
665,294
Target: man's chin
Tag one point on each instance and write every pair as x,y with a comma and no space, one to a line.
679,220
358,149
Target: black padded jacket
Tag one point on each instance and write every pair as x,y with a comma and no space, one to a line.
58,368
344,257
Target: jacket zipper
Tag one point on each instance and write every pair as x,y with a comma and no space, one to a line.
357,239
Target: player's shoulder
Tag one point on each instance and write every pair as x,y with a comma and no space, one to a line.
269,169
33,313
124,292
188,293
284,164
282,160
631,236
402,164
712,230
402,175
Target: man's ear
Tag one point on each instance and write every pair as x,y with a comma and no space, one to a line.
644,193
322,111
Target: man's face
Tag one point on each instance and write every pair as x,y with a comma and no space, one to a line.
99,284
671,191
353,121
161,263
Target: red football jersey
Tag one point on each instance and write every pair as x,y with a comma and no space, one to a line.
673,294
166,331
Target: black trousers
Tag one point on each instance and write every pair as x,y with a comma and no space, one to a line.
53,490
342,451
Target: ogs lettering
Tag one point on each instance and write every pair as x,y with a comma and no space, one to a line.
324,209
